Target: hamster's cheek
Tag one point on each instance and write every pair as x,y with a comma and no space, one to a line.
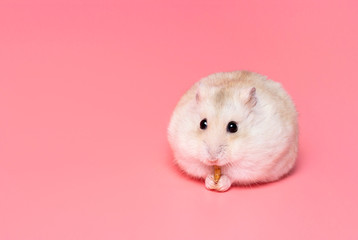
193,167
237,150
191,148
243,175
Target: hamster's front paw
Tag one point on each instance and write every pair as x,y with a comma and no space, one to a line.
223,184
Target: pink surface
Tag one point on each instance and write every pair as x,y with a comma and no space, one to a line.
87,89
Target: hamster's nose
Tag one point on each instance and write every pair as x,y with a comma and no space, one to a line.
214,155
215,151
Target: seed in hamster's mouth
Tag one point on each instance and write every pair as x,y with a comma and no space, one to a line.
217,174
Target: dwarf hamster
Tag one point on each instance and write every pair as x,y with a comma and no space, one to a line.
240,121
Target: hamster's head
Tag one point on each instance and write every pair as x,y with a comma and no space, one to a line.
222,121
216,124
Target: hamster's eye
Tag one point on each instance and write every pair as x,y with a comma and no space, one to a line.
231,127
203,124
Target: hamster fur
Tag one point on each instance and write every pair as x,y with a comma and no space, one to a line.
264,147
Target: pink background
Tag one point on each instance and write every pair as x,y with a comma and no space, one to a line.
87,89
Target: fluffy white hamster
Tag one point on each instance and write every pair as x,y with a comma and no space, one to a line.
240,121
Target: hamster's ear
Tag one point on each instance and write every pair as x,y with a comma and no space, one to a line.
249,97
198,95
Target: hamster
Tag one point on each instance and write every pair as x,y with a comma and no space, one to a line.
239,121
